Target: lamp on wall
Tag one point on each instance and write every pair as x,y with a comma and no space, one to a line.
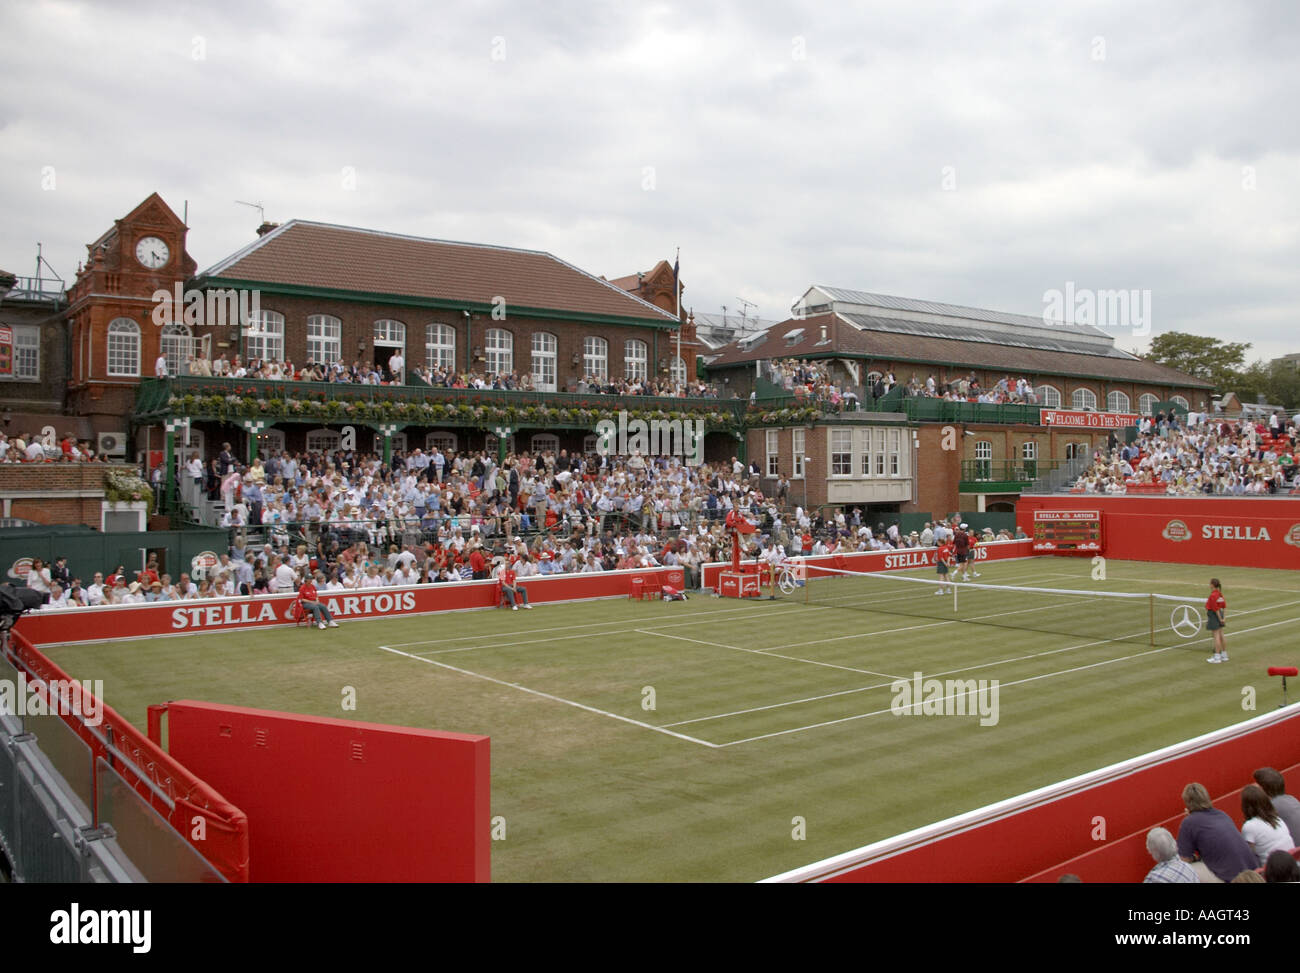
361,346
478,352
577,359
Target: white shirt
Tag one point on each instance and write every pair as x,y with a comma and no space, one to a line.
284,579
160,367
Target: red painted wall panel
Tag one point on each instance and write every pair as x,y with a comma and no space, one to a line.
1231,531
341,801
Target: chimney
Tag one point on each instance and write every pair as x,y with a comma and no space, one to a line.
266,228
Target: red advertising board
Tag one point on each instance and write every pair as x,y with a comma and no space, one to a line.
6,351
1248,532
223,614
914,557
1087,420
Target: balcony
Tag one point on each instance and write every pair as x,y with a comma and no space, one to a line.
918,409
232,399
1003,476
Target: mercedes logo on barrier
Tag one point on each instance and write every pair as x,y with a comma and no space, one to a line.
1185,621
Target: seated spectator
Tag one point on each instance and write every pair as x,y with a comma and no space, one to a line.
1281,867
311,603
1264,830
1169,869
1286,806
1209,841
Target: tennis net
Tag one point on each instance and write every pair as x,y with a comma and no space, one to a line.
1147,618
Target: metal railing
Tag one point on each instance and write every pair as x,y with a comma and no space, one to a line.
1006,470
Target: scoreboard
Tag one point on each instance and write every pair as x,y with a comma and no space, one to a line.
1067,531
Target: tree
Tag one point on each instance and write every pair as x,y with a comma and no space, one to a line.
1215,361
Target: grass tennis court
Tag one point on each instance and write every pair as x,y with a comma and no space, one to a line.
763,712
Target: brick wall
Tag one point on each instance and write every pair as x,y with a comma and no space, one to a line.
48,493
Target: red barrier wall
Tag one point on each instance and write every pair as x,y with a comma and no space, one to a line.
340,801
170,788
1045,833
916,557
1242,532
218,614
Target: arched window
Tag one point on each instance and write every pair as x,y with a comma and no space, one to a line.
1117,402
440,346
399,443
124,347
1147,404
1180,401
271,441
499,349
264,336
177,347
543,441
595,358
491,443
443,441
390,333
323,440
324,339
635,358
544,346
677,371
1084,399
983,459
1049,396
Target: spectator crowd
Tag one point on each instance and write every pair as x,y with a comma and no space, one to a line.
1205,455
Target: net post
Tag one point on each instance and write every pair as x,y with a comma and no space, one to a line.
954,595
1151,600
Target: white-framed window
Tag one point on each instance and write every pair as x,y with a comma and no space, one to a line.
399,443
1117,402
264,337
1083,398
841,452
177,347
124,347
324,339
895,452
878,437
323,440
1049,396
1179,400
1147,404
499,349
389,333
590,444
543,441
636,357
271,441
983,459
27,353
491,443
440,346
1029,450
595,358
544,353
442,441
677,371
773,437
797,447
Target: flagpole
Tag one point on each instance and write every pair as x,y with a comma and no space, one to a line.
677,289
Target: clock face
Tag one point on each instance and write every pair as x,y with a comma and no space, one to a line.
152,252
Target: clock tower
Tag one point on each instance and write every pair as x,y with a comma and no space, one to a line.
112,339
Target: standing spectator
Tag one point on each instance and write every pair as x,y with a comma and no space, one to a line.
39,579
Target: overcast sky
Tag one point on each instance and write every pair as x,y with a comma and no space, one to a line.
973,153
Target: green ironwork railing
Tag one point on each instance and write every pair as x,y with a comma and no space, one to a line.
1006,470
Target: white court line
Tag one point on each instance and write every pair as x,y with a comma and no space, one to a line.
770,655
946,672
557,699
1017,682
1205,584
619,628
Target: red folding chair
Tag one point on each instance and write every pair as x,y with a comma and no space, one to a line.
299,613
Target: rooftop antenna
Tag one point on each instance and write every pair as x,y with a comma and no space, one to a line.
261,212
744,311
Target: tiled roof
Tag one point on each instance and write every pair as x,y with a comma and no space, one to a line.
845,339
329,257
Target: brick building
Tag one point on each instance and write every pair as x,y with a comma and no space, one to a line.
916,454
